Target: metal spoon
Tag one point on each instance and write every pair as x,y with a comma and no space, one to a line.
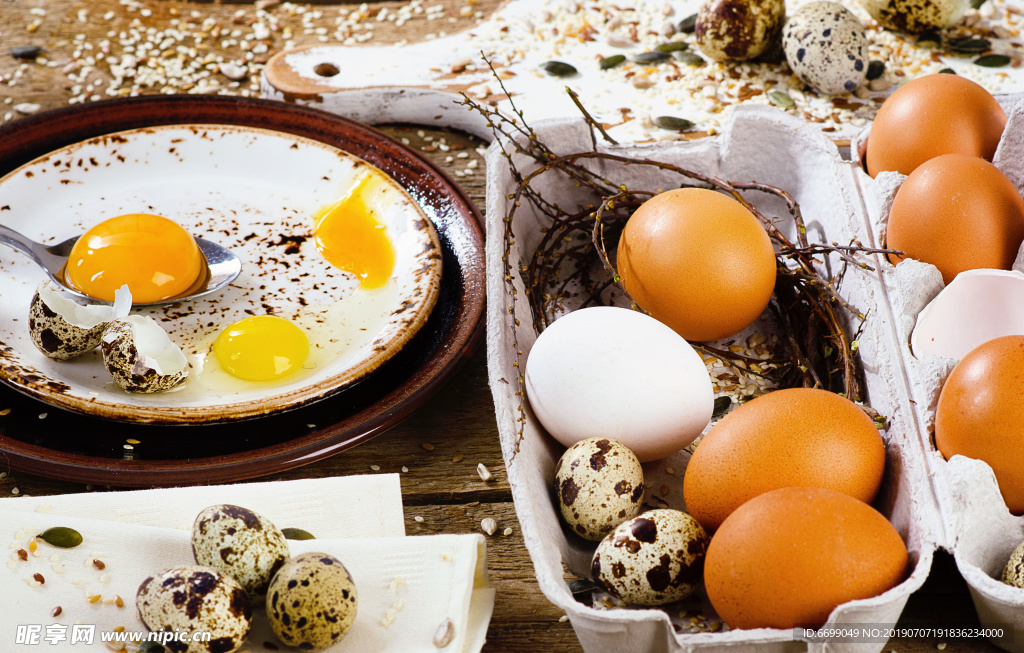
222,266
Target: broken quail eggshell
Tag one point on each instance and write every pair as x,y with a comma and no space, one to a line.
977,306
311,602
826,47
140,356
653,559
63,329
916,15
240,543
737,30
196,599
600,485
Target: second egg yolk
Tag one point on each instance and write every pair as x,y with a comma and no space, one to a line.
351,238
155,256
261,348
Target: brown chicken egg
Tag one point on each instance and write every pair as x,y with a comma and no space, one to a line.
698,261
793,437
930,116
980,413
789,557
957,212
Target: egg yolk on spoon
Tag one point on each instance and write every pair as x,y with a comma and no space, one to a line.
351,238
261,348
155,256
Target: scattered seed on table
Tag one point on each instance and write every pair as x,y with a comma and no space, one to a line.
405,470
418,519
5,412
458,458
94,598
563,619
56,611
99,564
488,525
427,446
612,61
375,468
23,554
485,474
688,25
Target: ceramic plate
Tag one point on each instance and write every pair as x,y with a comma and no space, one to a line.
255,191
82,447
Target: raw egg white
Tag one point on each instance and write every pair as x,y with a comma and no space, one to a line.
154,256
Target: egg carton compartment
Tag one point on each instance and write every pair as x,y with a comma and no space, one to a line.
759,144
977,527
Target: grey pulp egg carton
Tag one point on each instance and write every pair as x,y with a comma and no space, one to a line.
977,528
759,144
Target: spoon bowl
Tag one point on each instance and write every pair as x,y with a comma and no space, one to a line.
221,265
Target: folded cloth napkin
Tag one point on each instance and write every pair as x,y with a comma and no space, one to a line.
408,587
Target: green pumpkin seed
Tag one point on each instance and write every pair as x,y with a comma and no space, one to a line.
581,586
688,58
947,71
976,4
929,40
688,24
558,69
780,99
672,46
993,60
151,647
61,536
650,57
876,69
721,405
969,45
675,124
612,61
297,534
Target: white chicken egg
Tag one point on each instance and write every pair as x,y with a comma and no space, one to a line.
619,374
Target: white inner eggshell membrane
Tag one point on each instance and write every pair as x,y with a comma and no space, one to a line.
155,348
89,316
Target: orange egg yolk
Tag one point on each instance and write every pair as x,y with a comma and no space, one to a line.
351,238
155,256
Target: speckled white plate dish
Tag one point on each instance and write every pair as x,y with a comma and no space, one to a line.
254,191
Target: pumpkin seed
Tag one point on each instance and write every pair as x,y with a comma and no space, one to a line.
672,46
992,60
947,71
976,4
876,69
151,647
651,57
780,99
929,40
673,123
297,534
61,536
581,586
612,61
558,69
721,405
26,52
969,44
688,58
688,24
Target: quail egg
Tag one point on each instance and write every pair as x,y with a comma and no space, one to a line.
738,30
916,15
140,356
62,329
826,47
652,559
1013,573
600,485
311,602
241,544
194,598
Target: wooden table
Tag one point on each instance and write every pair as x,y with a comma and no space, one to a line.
441,491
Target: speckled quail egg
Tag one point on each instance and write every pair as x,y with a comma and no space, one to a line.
311,603
600,485
241,544
826,47
916,15
62,329
652,559
1013,572
738,30
196,599
140,356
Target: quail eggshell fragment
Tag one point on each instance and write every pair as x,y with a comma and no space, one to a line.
826,47
916,15
1013,572
600,485
63,329
311,603
977,306
653,559
240,543
196,599
618,374
140,356
738,30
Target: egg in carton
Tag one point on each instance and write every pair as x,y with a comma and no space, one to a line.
936,325
758,144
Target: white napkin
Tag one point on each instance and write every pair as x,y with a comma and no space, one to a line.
407,586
